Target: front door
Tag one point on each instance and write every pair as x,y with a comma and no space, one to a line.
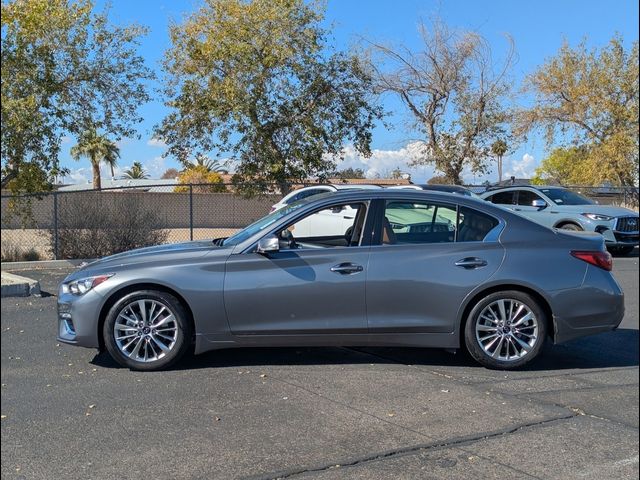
312,285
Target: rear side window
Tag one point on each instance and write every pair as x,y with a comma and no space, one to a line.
503,198
416,222
473,226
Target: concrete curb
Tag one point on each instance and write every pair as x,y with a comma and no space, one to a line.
43,264
17,286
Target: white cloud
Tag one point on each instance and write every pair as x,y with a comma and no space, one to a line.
520,168
155,142
382,162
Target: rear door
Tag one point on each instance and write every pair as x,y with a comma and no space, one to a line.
420,270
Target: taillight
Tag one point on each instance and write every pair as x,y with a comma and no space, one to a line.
599,259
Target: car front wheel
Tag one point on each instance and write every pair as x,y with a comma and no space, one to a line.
147,330
505,330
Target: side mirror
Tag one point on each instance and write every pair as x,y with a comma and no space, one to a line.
337,209
541,204
268,244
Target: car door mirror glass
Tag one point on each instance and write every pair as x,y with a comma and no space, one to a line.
268,244
539,203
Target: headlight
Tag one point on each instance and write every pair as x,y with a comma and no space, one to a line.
83,285
598,217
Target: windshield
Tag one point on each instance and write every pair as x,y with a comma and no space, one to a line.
261,224
566,197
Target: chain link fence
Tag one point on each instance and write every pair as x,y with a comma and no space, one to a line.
90,224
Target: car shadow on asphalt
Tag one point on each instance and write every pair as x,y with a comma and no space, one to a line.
608,350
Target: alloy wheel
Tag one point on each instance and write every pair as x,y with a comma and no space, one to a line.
507,330
145,330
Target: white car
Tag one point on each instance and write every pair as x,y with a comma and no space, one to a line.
326,222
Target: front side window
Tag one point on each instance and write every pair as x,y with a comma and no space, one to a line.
340,225
526,198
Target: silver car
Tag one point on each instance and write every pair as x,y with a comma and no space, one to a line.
415,268
561,208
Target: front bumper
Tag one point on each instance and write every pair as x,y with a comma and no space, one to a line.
78,319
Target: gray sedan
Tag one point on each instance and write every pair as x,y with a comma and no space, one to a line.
415,268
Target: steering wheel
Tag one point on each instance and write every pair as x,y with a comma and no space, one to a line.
287,237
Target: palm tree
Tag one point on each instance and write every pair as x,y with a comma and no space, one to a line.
97,148
499,148
208,163
135,172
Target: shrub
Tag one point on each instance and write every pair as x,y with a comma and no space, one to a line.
92,225
206,180
14,253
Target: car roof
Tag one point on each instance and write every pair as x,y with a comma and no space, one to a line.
517,187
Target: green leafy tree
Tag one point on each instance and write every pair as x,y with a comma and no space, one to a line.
258,81
348,173
455,93
170,173
98,149
135,172
63,67
201,180
565,166
589,98
438,180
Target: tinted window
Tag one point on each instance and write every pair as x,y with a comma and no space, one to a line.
416,222
525,197
502,198
474,225
565,197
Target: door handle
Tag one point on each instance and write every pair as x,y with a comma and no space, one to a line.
471,262
347,268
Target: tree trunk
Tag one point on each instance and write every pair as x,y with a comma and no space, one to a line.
500,169
96,174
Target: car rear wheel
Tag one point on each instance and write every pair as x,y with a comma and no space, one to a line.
147,330
505,330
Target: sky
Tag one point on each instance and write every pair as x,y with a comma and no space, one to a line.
538,28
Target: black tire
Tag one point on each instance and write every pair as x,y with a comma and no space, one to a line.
621,250
571,226
474,346
179,329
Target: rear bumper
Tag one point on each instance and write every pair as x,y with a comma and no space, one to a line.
595,307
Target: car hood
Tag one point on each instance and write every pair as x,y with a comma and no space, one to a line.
175,252
599,209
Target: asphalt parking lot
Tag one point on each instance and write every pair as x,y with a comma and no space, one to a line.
316,413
